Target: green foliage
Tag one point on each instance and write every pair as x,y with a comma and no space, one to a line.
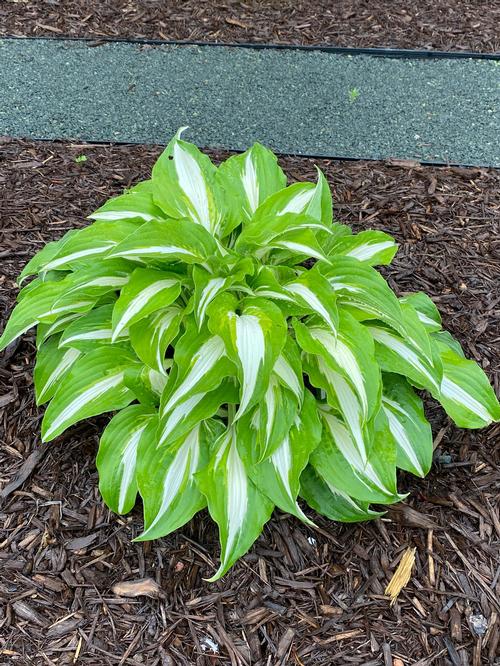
240,379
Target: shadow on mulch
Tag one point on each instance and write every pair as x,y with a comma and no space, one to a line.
301,596
429,24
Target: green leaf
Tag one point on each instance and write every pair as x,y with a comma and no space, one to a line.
136,203
169,241
147,291
52,364
412,432
426,311
166,478
237,506
338,461
360,287
116,460
278,475
330,501
90,330
466,393
313,292
248,180
370,247
82,247
184,185
94,385
151,336
351,353
253,339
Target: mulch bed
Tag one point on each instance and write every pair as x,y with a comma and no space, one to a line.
301,596
439,24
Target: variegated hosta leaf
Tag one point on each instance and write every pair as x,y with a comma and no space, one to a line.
338,460
44,331
200,364
38,306
371,247
94,385
186,414
118,454
330,501
91,329
248,180
234,502
184,185
43,256
151,336
350,353
253,340
408,425
52,364
364,291
341,396
288,369
85,245
278,475
465,392
263,428
395,354
427,312
147,291
166,479
135,203
313,292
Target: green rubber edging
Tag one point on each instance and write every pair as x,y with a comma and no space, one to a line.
305,102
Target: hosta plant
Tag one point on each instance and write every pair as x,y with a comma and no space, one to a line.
250,352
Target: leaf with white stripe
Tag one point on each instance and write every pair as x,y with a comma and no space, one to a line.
237,506
38,306
278,476
151,336
135,203
426,310
166,478
94,385
262,429
411,430
200,365
465,392
85,245
313,292
168,241
43,256
147,291
198,407
371,247
248,180
395,354
330,501
45,331
90,330
52,365
184,185
288,369
254,338
351,353
364,291
338,461
118,453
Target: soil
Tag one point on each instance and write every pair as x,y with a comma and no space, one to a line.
301,596
438,24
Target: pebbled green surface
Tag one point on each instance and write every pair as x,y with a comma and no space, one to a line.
443,110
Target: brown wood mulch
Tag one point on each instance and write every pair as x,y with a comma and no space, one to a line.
438,24
305,597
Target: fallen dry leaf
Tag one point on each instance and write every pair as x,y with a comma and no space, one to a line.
143,587
402,574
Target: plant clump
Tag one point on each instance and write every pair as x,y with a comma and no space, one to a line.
241,376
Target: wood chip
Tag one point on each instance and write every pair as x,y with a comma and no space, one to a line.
143,587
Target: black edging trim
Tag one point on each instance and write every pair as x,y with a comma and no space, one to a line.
342,50
391,161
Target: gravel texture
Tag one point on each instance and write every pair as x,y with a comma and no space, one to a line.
299,102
